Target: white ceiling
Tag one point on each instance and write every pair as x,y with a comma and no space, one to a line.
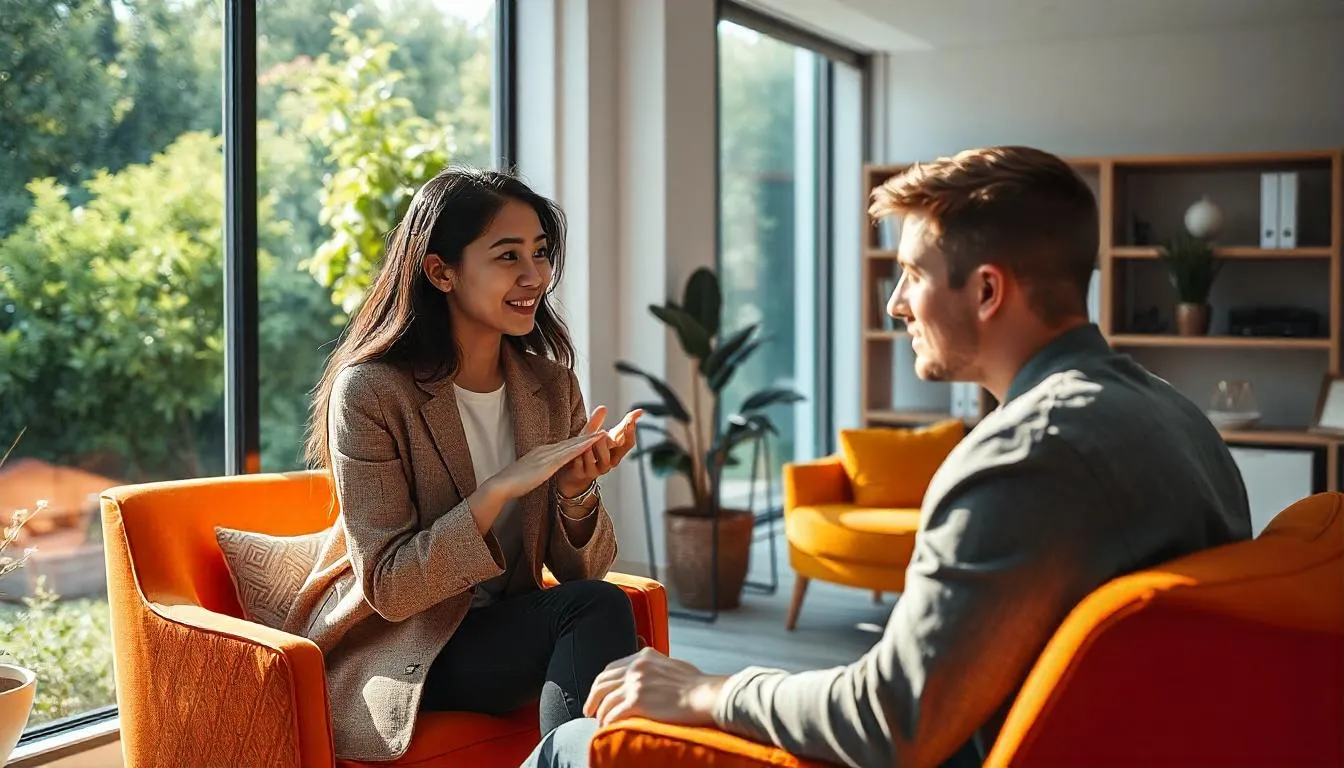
912,25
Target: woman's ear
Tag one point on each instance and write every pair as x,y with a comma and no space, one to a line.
440,275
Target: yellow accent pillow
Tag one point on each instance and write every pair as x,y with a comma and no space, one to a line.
893,467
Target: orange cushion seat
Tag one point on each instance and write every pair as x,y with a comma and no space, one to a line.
871,535
465,738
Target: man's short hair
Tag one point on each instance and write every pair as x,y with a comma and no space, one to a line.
1018,207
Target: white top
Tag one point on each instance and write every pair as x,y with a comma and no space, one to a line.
488,425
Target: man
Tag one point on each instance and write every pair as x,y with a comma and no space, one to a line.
1090,468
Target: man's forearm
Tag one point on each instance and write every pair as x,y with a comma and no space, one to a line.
817,714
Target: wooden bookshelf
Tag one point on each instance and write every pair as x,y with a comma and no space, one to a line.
1224,342
1141,202
1235,252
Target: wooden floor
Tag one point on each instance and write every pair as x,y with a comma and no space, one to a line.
836,625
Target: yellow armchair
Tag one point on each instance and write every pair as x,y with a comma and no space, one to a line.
851,518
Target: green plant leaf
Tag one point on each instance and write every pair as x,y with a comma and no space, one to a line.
770,396
674,408
724,375
739,431
654,408
667,458
703,300
692,335
1192,266
762,423
725,351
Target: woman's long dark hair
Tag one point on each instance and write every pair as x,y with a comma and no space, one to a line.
404,319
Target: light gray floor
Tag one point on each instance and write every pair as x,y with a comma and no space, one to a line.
837,624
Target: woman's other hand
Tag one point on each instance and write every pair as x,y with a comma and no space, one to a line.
603,456
525,474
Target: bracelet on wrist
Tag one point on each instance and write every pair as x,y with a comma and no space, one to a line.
579,499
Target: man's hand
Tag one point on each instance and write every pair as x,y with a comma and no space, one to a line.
649,684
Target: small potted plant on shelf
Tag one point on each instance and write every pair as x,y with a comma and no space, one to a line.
1193,268
697,443
18,685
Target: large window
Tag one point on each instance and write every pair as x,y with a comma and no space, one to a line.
358,104
112,267
776,112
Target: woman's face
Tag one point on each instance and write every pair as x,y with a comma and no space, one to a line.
498,285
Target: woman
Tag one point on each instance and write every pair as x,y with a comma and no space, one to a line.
463,460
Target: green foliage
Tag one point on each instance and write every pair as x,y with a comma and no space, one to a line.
112,320
1193,267
66,643
382,150
81,91
696,323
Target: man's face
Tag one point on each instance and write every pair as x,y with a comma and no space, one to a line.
941,319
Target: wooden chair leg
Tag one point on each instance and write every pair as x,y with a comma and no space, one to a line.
799,589
877,596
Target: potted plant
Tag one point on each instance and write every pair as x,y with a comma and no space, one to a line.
1193,268
17,684
697,443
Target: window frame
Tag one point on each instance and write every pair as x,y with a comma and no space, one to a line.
829,53
242,381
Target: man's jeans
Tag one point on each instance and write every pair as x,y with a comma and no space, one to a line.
564,747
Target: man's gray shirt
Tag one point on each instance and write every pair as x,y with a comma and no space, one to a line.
1091,468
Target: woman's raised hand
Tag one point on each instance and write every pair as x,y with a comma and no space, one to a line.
601,457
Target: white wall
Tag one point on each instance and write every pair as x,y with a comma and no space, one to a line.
1278,87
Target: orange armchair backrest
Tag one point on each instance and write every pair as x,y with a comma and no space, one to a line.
170,529
1233,655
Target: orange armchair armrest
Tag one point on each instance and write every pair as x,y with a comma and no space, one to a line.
639,743
816,482
648,598
232,673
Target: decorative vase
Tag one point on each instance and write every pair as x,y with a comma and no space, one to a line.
1204,219
1192,319
690,543
17,687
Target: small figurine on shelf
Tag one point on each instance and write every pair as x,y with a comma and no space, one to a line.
1193,267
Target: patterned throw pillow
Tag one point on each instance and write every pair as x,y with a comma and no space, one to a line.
267,571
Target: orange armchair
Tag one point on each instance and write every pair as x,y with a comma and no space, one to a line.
197,685
1231,656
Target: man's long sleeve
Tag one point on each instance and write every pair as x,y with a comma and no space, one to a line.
998,564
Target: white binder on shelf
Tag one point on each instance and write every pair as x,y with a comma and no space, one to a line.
1288,209
1269,210
965,399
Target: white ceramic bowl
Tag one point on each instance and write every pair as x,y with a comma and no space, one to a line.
1233,419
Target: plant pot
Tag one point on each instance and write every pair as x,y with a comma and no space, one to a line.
690,542
1192,319
17,687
